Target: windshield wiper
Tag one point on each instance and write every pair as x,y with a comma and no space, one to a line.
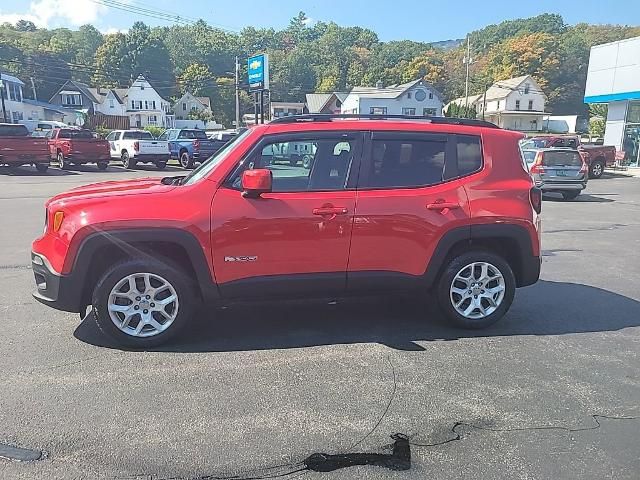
177,180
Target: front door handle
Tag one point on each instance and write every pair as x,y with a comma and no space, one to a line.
441,205
330,211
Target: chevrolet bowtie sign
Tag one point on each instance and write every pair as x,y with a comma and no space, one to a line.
258,72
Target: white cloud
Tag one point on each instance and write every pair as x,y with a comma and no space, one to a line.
309,22
67,12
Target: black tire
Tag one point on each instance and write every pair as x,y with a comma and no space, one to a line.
161,165
62,162
187,301
185,160
596,169
127,161
571,194
103,165
445,282
42,167
307,161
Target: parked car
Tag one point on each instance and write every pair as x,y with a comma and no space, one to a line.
597,156
70,146
220,139
138,146
558,170
443,205
189,146
18,148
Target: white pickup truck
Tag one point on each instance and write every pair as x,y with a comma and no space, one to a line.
138,146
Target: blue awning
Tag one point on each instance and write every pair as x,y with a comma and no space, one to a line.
612,97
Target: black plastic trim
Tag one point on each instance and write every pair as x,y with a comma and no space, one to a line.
300,285
62,292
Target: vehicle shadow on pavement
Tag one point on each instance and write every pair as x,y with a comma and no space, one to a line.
32,172
583,198
547,308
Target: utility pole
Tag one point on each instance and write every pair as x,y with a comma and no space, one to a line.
467,61
237,94
484,100
33,88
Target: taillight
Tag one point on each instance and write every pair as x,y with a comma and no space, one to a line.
136,146
196,144
535,195
584,168
537,164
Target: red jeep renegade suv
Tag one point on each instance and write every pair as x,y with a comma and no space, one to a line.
304,206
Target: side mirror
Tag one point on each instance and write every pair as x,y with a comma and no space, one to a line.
256,182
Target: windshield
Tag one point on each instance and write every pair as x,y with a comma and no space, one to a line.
210,164
71,133
191,134
138,136
535,143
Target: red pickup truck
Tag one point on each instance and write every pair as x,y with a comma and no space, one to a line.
597,157
18,148
75,146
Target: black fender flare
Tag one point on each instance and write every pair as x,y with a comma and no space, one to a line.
527,270
125,240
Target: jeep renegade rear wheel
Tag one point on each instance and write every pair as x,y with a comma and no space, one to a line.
476,289
142,304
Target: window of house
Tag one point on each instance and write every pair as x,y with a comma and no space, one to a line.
338,103
153,119
530,104
193,108
398,162
378,110
133,105
517,104
328,161
429,112
469,152
526,88
408,111
409,95
184,107
16,116
430,95
153,104
146,105
3,90
498,107
16,92
141,86
71,100
420,95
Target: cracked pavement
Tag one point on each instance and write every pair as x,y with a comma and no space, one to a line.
256,386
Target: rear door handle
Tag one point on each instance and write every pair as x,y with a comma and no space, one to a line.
324,211
442,205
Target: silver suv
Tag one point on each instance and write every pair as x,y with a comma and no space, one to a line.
559,170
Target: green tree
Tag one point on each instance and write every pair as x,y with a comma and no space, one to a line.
196,79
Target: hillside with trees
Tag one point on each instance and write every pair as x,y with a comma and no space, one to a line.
323,57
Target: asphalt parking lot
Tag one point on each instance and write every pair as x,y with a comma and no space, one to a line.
251,391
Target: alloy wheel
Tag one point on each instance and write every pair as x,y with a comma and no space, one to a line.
477,290
143,304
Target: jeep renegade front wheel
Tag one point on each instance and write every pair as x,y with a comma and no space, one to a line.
142,304
476,289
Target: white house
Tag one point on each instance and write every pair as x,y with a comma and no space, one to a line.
111,101
11,90
417,98
189,103
145,106
284,109
613,78
515,104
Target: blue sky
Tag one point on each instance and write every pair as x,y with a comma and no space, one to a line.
421,21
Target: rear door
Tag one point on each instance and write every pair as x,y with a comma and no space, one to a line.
409,195
294,240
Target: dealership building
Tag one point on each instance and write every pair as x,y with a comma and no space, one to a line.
613,78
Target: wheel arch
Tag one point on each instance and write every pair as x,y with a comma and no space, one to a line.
512,242
100,250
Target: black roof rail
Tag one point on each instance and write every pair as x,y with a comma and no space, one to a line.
326,117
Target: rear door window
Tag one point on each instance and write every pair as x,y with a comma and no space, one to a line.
469,150
397,160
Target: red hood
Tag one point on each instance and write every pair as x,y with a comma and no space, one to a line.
103,190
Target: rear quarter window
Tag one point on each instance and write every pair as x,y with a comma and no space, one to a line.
13,131
469,150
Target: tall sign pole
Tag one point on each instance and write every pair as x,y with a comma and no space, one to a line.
258,72
467,61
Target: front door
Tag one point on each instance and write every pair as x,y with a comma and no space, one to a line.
408,197
294,240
